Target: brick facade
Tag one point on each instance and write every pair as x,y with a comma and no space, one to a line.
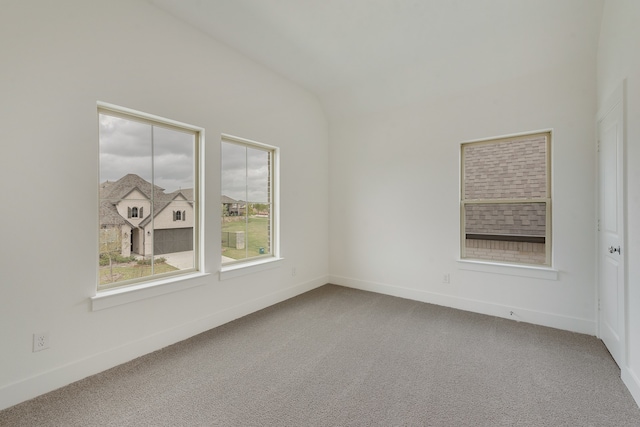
506,169
517,252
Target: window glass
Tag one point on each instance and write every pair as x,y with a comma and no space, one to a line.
148,170
505,203
247,203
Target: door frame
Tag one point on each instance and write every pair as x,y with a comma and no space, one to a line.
617,97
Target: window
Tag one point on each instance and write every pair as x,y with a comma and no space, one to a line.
248,202
147,165
179,216
505,205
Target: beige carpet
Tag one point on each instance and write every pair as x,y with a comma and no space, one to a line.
342,357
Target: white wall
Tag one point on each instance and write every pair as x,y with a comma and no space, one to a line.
394,190
619,59
58,59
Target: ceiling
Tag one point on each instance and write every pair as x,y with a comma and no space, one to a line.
357,51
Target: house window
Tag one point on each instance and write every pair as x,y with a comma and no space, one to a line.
505,203
248,203
148,165
179,215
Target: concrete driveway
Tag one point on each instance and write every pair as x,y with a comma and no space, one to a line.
184,260
180,260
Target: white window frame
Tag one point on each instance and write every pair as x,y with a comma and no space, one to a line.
159,284
513,268
267,261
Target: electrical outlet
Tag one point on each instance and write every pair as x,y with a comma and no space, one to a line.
40,341
446,278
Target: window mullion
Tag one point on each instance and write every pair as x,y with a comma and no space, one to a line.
153,183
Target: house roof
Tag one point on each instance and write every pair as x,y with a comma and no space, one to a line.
109,214
112,192
163,200
227,200
119,189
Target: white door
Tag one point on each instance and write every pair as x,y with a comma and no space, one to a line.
611,231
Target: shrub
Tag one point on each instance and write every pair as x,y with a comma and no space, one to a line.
147,261
116,259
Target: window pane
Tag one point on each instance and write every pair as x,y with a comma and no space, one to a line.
506,169
173,160
234,238
506,232
171,240
234,171
147,174
258,174
125,148
258,230
507,219
246,202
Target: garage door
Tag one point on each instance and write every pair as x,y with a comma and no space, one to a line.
173,240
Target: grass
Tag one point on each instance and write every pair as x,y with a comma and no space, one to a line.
131,270
256,237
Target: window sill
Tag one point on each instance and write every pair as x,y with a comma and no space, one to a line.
545,273
127,294
241,269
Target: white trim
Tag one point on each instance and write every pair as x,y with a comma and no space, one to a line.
138,290
509,136
241,268
617,97
574,324
126,294
119,111
243,141
521,270
249,267
548,201
60,376
632,381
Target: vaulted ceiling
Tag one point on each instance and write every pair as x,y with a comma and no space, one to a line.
354,53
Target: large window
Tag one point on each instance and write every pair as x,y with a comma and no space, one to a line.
506,200
248,200
148,172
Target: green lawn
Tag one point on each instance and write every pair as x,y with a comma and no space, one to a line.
131,270
256,237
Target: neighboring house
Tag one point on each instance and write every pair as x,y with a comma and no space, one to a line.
128,223
231,207
514,170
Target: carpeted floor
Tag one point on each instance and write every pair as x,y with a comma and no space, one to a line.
342,357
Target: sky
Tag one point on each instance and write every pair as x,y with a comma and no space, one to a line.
245,173
126,146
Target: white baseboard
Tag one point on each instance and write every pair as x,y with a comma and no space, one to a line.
31,387
631,380
557,321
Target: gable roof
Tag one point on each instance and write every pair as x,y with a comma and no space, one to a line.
164,200
228,200
109,215
112,192
119,189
